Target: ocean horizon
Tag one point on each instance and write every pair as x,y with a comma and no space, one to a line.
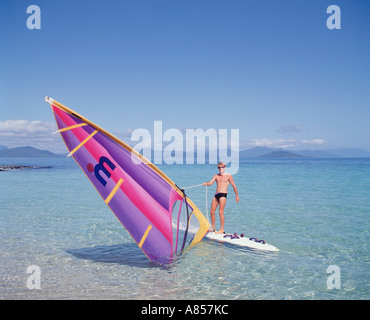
316,211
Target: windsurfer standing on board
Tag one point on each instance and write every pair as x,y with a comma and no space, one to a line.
223,180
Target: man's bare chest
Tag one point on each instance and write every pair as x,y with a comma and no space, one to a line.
222,180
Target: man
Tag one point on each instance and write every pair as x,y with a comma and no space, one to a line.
223,180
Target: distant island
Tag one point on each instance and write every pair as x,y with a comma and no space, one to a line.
282,155
264,152
256,152
27,152
11,167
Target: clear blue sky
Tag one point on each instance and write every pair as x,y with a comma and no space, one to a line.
271,69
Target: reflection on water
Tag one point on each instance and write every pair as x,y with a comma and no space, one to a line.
124,254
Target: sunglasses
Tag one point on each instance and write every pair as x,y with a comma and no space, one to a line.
221,167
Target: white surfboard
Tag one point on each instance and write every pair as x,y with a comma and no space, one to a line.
242,241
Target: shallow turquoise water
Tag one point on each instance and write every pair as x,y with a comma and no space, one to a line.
316,211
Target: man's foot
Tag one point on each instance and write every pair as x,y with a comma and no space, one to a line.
220,232
211,229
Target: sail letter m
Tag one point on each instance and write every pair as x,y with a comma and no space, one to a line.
100,167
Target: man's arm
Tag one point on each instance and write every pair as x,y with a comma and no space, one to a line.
209,183
235,189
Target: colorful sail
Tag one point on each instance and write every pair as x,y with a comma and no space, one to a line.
161,219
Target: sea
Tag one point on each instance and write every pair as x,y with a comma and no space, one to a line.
58,240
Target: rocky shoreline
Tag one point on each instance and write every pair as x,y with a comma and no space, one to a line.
9,167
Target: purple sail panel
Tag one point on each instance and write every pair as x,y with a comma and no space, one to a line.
138,196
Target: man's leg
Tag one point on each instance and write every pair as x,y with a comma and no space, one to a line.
213,210
222,202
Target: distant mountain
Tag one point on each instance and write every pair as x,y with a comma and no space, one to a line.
350,153
265,152
27,152
281,154
317,154
336,153
256,152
